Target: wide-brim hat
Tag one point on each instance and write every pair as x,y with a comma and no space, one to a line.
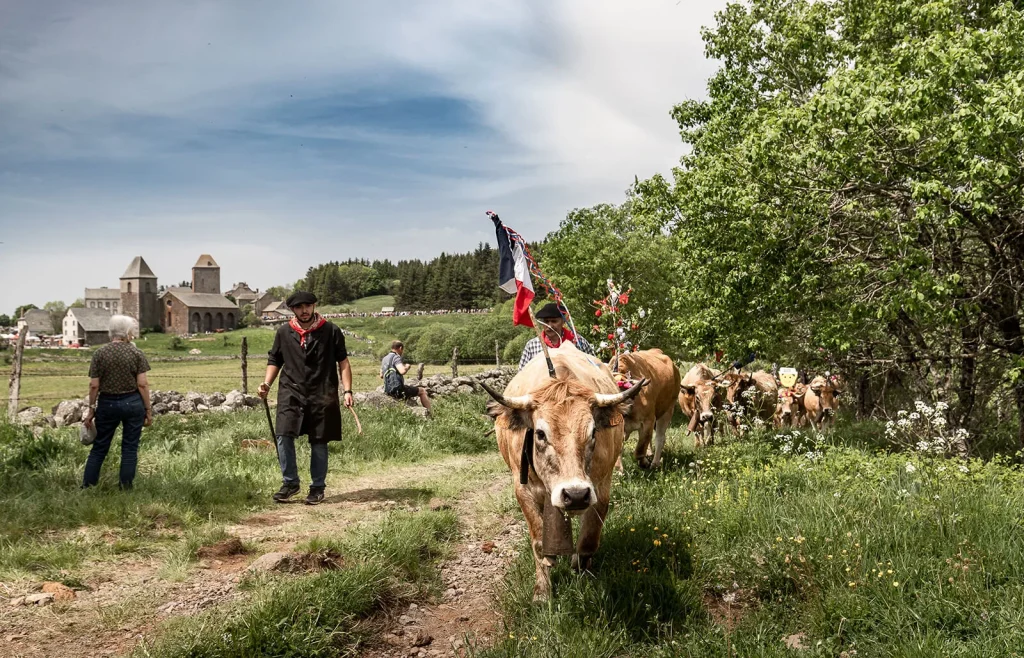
549,312
300,297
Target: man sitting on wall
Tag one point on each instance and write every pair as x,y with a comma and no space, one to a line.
392,371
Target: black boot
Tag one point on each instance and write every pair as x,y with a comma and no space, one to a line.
316,496
286,492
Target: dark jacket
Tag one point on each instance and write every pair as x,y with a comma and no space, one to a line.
307,394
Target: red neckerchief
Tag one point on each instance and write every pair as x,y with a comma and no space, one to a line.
566,336
318,321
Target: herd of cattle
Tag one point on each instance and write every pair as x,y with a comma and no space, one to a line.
561,431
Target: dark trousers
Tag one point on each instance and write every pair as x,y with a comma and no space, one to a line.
126,410
290,466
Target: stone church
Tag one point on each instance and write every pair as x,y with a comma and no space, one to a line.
201,308
197,309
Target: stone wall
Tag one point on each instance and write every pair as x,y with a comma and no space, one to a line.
70,412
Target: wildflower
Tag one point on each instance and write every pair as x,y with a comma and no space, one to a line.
963,469
911,468
835,495
895,583
939,421
941,406
853,584
657,542
915,416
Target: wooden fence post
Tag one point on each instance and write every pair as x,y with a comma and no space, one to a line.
455,361
497,354
419,371
14,386
245,365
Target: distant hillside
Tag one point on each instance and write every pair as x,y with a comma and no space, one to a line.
371,304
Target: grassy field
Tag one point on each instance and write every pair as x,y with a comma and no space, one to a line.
53,375
365,305
192,477
833,543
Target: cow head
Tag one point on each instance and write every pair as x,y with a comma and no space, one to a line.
786,404
736,385
704,393
825,391
564,418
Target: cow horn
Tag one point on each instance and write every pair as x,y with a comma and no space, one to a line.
612,399
520,402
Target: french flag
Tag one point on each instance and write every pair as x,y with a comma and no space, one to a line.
514,273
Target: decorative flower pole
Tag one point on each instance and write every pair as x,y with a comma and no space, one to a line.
622,331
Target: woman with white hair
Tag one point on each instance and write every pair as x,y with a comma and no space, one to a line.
118,395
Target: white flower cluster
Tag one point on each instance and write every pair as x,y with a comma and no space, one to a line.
926,430
810,447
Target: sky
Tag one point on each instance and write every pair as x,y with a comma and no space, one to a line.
275,136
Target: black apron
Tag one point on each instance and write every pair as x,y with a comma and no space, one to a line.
307,394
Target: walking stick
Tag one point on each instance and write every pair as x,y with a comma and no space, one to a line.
358,424
273,436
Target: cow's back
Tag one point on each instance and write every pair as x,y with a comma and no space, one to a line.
663,380
767,394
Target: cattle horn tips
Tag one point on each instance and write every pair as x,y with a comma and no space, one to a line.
611,399
521,402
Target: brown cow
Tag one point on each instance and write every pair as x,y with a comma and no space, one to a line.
653,407
790,410
819,402
756,394
575,424
699,397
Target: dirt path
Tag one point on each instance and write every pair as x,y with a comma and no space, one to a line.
128,599
467,614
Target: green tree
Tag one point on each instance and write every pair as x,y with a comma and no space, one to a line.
57,311
5,320
20,311
854,183
594,244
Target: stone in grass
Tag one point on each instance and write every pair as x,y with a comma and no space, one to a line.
422,639
269,562
60,591
43,598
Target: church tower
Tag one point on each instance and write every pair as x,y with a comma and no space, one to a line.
138,294
206,275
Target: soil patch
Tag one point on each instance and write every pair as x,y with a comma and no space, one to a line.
226,548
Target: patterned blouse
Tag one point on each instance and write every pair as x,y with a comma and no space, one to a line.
117,365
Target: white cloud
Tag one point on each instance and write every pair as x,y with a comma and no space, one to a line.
574,97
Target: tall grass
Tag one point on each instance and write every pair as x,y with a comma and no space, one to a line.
323,614
192,471
882,554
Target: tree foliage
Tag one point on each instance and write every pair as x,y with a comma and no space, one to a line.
450,281
853,184
57,311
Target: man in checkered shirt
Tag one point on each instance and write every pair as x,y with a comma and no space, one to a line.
554,334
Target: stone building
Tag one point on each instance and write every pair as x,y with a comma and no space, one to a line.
206,276
201,309
36,322
86,326
139,294
105,298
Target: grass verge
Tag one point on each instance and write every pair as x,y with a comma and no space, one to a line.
841,550
325,614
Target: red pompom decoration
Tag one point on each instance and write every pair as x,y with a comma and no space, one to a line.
597,313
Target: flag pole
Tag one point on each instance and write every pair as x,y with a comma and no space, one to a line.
543,345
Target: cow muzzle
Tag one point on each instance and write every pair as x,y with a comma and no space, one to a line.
573,495
706,416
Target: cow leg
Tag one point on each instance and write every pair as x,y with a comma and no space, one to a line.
643,441
590,533
534,515
660,430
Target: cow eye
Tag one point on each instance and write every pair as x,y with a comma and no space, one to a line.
540,436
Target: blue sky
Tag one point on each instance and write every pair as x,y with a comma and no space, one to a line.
278,135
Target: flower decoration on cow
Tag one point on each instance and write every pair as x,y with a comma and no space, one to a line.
617,326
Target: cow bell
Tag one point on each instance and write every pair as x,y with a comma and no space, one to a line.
557,536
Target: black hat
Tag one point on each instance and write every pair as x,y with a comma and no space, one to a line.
300,297
549,312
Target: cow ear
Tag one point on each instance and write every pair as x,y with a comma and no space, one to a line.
513,419
605,417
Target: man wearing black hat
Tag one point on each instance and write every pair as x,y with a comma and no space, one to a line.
312,353
555,333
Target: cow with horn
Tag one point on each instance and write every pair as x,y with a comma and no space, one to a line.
561,434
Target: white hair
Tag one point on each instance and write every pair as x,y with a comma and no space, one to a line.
123,326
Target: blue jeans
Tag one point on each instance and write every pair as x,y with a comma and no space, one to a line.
126,410
290,467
